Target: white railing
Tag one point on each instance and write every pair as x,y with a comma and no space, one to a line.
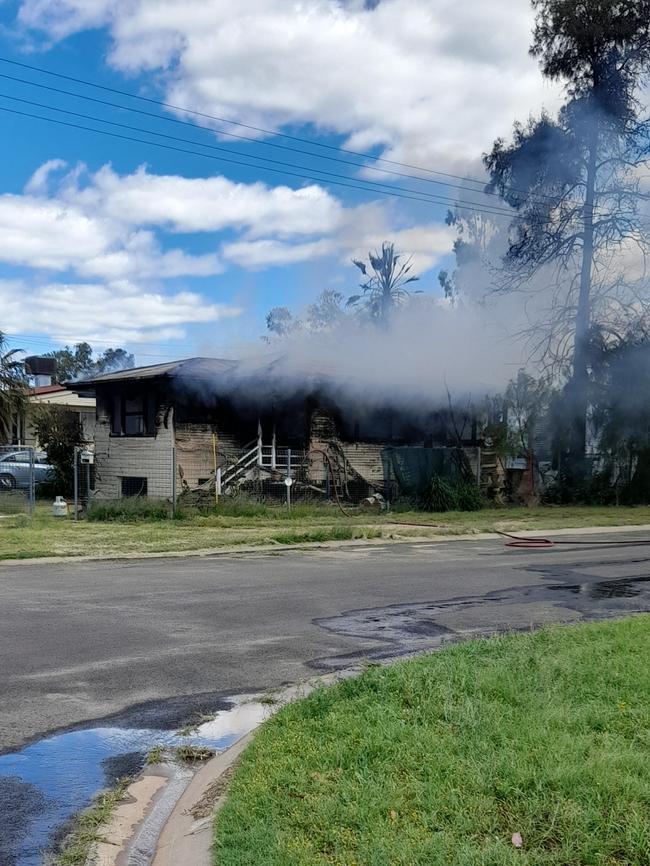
270,458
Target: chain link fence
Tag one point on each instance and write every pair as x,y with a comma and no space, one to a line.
135,473
130,474
200,472
21,469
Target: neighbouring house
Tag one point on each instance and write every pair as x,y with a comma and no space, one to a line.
81,403
164,430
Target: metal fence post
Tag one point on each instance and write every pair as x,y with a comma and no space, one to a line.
32,483
173,481
289,479
76,483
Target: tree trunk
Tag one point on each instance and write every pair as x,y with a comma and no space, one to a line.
579,385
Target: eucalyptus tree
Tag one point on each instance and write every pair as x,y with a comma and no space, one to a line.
575,183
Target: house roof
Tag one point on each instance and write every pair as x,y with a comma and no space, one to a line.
46,389
188,368
61,396
275,367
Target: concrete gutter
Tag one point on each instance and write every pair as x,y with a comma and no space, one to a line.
186,838
263,549
167,815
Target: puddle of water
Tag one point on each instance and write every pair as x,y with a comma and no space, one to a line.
629,587
404,629
49,781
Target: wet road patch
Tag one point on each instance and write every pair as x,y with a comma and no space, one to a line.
45,784
568,594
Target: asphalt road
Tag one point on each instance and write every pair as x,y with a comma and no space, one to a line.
83,641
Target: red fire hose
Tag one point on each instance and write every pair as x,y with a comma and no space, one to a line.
539,543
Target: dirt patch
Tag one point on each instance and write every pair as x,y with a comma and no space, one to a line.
205,806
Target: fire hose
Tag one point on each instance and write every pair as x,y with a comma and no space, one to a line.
328,460
514,541
532,542
538,543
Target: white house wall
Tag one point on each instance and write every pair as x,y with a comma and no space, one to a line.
118,457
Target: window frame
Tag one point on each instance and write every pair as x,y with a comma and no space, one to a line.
144,486
118,413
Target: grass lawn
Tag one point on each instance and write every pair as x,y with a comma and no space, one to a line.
240,524
438,761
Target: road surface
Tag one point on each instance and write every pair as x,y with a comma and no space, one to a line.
141,639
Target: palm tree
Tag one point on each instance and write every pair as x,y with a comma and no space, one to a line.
386,278
13,388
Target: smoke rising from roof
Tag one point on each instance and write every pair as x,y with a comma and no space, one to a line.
429,350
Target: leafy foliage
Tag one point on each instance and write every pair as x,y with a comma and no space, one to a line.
59,432
574,184
384,286
13,389
280,322
326,312
323,315
443,494
77,361
526,400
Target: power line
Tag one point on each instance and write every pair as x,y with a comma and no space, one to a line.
269,132
259,142
435,198
46,343
390,191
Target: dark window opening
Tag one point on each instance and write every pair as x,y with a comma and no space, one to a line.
134,486
133,415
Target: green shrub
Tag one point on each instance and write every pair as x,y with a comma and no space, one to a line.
576,488
444,494
469,496
60,432
131,510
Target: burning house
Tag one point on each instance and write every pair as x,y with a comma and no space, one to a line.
183,427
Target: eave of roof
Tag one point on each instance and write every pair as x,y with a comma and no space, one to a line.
46,389
188,367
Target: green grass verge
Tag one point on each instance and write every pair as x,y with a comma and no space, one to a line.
131,529
89,826
438,761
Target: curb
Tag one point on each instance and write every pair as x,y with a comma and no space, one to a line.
277,548
167,816
185,839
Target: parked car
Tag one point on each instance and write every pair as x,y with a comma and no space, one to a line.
15,470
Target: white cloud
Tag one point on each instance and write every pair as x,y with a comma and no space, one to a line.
425,244
209,204
47,234
93,223
38,182
103,234
140,257
62,19
267,252
431,81
50,233
87,311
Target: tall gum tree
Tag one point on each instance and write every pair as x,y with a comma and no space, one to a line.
575,183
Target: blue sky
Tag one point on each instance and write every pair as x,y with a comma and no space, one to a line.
173,254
